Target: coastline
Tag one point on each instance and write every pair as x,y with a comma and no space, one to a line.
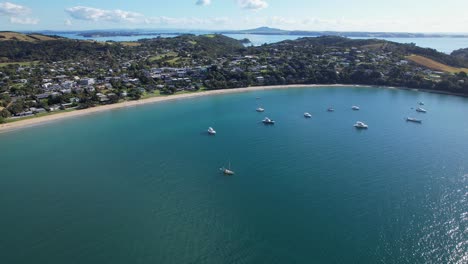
77,113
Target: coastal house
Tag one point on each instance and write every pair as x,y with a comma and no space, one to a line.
54,108
87,81
37,110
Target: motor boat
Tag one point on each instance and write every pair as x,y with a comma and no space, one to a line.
411,119
268,121
307,115
421,110
361,125
260,109
355,108
330,109
211,131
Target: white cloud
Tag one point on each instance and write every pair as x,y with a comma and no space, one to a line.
24,21
10,9
96,14
203,2
17,14
252,4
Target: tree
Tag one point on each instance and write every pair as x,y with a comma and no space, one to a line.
2,120
134,94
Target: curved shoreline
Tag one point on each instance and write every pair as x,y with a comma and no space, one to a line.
77,113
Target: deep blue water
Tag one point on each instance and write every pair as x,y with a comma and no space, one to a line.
141,185
446,44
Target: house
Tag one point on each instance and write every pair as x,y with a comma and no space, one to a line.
87,81
37,110
54,108
102,97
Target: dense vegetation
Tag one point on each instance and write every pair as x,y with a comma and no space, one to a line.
461,54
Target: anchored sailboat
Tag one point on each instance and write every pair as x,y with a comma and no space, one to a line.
227,171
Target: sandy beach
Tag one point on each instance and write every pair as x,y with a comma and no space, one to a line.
59,116
77,113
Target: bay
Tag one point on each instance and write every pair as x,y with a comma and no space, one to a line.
142,185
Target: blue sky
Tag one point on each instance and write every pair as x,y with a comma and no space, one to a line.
339,15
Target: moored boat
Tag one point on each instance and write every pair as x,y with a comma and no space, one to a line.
211,131
330,109
307,115
411,119
268,121
260,109
361,125
354,107
421,110
227,171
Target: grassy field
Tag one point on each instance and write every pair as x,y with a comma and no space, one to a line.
24,63
23,37
130,44
161,56
434,65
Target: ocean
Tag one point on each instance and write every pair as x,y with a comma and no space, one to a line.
142,185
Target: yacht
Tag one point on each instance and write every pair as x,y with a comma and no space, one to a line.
421,103
227,171
268,121
355,108
307,115
260,109
360,124
330,109
211,131
421,110
411,119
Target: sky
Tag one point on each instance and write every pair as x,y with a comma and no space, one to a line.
448,16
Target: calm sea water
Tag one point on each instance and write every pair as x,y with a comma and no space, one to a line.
446,45
141,185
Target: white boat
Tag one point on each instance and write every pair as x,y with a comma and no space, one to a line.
211,131
260,109
421,103
330,109
360,124
307,115
355,107
268,121
227,171
411,119
421,110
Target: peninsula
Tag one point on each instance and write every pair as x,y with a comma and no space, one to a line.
40,75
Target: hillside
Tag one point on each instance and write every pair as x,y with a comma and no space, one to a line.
461,53
7,35
434,65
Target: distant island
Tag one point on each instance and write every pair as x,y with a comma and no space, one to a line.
275,31
41,75
266,31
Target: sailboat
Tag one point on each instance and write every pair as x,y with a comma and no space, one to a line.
227,171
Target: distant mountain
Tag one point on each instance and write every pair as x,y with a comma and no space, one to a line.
8,35
276,31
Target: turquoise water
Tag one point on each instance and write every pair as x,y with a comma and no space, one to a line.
141,185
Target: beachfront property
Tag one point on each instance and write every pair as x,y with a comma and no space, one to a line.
48,84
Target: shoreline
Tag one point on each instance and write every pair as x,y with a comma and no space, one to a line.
35,121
